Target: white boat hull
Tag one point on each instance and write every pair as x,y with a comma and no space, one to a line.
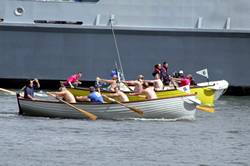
168,108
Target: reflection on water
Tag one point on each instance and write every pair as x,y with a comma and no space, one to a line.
220,138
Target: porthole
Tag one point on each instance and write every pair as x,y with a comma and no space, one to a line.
19,11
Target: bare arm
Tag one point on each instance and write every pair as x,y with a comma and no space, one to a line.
130,82
60,94
113,95
150,81
30,97
104,80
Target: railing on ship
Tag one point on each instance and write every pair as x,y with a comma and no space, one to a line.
62,0
58,22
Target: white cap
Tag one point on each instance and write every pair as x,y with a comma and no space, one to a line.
181,71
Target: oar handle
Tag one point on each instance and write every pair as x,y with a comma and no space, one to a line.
8,91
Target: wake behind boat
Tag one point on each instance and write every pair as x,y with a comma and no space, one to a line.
181,107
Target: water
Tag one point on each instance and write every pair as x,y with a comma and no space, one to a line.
220,138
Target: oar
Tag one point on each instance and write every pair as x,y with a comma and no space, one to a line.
205,109
8,91
85,113
136,110
200,107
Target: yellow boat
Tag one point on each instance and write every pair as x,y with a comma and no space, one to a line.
207,93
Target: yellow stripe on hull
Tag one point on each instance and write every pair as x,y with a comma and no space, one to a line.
204,94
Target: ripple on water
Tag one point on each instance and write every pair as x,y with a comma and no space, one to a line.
221,138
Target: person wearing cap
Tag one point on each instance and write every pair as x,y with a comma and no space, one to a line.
93,96
181,73
137,83
182,80
112,83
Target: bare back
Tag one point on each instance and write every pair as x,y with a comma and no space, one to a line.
150,93
112,85
69,97
66,95
158,85
138,87
122,96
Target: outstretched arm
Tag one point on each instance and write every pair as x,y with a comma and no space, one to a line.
150,81
130,82
58,94
104,80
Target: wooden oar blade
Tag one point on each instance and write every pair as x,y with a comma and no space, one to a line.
140,112
85,113
89,115
8,91
205,109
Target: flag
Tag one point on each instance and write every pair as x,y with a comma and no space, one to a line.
203,72
185,88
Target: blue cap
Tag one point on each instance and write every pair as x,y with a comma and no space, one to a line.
113,73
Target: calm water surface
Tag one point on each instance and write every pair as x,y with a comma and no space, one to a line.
220,138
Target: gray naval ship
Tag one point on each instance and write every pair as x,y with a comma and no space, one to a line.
50,40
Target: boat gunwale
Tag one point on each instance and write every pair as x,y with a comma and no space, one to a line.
111,103
192,87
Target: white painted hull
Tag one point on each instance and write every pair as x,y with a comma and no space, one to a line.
168,108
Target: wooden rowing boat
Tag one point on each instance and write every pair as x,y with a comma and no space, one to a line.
181,107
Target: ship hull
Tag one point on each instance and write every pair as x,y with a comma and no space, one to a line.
54,53
51,40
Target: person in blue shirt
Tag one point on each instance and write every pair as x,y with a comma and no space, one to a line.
93,96
29,89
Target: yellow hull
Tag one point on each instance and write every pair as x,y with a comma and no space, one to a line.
204,94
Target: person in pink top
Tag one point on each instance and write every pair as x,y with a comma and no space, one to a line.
181,81
184,81
73,80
